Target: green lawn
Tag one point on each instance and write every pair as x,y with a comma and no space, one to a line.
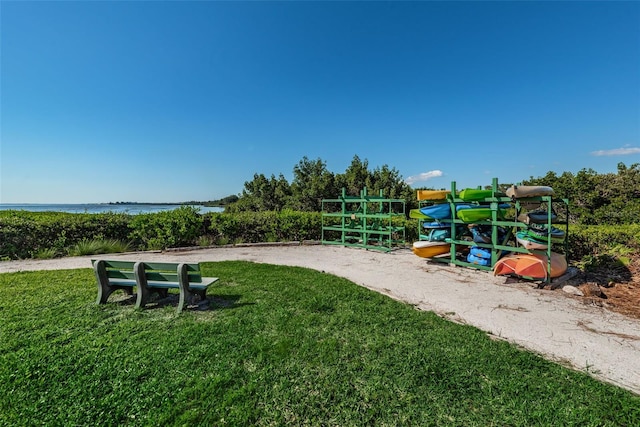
277,346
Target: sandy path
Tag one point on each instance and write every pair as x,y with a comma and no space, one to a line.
563,329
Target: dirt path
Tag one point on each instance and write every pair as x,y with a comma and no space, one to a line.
562,328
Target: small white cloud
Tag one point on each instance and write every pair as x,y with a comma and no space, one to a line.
624,151
424,176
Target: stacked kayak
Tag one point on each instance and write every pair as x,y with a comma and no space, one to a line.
427,249
437,211
475,195
537,217
531,265
525,191
545,233
433,194
473,213
479,256
530,243
486,231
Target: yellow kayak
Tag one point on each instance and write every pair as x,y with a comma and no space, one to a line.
430,249
433,194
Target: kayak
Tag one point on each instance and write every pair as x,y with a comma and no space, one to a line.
430,249
531,265
472,213
416,214
437,211
433,194
529,242
537,217
474,194
539,232
524,191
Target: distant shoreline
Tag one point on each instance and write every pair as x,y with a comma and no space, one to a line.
96,208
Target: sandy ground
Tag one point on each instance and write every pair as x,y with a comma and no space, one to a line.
559,327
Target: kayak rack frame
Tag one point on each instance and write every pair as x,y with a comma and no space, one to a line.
364,221
512,225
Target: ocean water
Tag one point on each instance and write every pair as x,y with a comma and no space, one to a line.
92,208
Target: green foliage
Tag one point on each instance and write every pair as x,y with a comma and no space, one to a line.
616,240
598,199
98,246
46,254
25,234
313,182
278,346
252,227
167,229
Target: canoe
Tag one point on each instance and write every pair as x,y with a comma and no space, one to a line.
433,194
437,211
529,242
524,191
531,265
474,194
430,249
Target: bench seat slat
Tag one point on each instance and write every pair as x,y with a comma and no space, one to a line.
120,265
119,274
168,266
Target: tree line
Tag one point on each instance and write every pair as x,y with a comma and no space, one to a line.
610,198
312,182
594,198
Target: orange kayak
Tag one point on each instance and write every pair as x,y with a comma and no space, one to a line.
531,265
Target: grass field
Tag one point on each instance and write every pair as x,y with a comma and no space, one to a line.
277,346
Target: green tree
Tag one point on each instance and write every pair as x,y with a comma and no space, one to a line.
312,182
263,194
355,177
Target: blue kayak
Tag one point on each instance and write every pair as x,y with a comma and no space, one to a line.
438,211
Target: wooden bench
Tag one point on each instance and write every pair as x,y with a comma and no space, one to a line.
150,278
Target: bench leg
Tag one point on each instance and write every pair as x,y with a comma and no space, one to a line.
104,288
144,292
186,294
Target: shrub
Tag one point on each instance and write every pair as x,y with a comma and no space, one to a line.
167,229
98,246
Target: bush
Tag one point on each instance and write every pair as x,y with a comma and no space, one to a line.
167,229
26,234
252,227
595,240
98,246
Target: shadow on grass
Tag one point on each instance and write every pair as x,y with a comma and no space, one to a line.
213,302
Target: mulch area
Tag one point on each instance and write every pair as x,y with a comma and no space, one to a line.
617,289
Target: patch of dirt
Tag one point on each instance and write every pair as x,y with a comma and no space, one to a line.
615,288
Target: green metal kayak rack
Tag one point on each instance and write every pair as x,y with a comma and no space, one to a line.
364,221
501,219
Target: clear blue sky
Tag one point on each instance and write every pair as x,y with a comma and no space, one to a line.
175,101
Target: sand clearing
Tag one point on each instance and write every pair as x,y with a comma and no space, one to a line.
551,323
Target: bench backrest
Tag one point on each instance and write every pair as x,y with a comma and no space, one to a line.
154,271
